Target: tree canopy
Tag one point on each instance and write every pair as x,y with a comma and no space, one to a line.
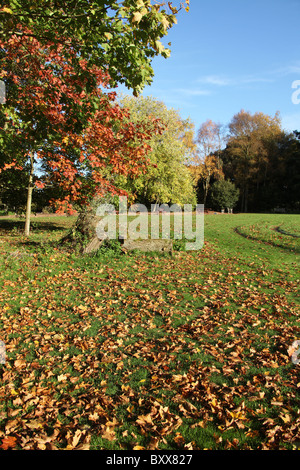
56,60
167,178
224,194
62,114
251,144
121,37
256,154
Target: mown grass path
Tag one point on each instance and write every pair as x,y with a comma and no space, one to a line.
189,351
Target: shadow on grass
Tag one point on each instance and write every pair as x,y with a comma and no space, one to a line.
35,226
283,232
271,243
45,235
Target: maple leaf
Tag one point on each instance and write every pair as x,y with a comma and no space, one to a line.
40,184
8,442
108,433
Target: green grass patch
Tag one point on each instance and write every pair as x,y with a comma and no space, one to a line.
114,351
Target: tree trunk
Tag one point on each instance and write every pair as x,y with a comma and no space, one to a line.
205,187
29,197
83,235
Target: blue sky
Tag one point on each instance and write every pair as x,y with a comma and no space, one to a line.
232,55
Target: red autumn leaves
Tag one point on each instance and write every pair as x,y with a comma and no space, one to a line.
65,115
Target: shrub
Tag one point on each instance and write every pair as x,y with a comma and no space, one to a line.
224,194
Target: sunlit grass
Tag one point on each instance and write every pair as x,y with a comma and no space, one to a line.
178,351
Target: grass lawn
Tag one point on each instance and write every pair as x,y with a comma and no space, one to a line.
146,351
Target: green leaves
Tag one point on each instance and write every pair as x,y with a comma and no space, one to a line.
224,194
86,25
167,179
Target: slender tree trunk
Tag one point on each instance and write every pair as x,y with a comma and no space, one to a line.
206,186
29,197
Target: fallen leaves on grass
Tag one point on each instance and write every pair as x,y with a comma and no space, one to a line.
134,358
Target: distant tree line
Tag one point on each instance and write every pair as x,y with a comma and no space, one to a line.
256,155
251,165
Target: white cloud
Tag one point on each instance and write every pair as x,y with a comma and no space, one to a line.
267,76
220,80
192,92
216,80
291,69
257,80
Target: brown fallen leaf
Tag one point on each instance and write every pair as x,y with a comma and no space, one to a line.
8,442
179,439
20,364
12,425
34,424
62,378
108,434
76,438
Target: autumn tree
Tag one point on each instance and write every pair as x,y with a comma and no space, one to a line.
206,163
210,138
117,39
47,121
250,144
207,170
167,179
